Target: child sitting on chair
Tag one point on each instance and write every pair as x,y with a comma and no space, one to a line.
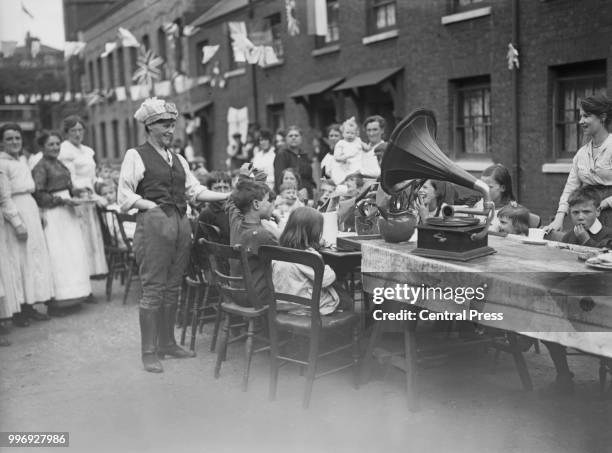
303,232
584,208
287,201
347,152
514,219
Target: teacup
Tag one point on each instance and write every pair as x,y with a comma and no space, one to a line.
536,234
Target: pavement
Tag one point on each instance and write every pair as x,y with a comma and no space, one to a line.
82,374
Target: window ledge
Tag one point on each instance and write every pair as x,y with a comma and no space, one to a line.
274,65
326,50
466,15
474,165
380,37
557,167
235,73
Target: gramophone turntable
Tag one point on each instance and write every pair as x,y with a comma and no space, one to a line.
413,154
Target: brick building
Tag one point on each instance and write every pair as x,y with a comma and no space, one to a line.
386,57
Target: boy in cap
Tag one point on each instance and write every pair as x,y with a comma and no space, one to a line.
158,183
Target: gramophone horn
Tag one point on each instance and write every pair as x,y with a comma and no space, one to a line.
413,153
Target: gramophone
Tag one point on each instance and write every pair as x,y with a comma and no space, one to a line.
413,154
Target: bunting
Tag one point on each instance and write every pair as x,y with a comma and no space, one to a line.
72,48
189,31
148,68
208,52
126,38
108,48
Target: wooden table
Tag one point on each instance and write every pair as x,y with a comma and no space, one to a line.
541,291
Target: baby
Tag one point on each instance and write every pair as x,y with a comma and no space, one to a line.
514,219
347,152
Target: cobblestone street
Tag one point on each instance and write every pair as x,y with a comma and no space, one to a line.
82,374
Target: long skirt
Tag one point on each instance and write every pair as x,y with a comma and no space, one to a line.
30,259
11,290
68,254
94,243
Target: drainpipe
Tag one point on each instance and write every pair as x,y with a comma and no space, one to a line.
515,101
254,74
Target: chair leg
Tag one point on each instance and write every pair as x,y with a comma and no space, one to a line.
411,365
185,304
222,345
603,373
109,278
355,353
213,342
249,354
273,362
311,371
205,302
197,308
128,282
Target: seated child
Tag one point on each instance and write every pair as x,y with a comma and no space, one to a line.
584,208
347,152
354,184
303,232
327,188
287,201
248,205
514,219
214,213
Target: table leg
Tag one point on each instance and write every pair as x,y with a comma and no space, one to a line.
366,366
519,361
410,351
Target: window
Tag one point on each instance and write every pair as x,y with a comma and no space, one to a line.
275,117
381,16
92,76
133,61
120,67
472,121
200,68
464,5
333,28
232,64
146,42
135,136
116,144
274,26
162,46
103,142
128,135
100,74
573,83
111,69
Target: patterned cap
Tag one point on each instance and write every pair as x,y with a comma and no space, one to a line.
153,110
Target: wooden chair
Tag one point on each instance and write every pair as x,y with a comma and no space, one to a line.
312,326
118,249
238,300
198,294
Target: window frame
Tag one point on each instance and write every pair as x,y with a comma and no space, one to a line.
275,117
328,39
459,126
457,7
274,22
596,73
372,15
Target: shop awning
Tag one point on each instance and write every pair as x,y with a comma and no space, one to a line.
316,87
218,10
366,79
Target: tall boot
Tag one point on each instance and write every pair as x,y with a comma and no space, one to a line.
167,343
149,336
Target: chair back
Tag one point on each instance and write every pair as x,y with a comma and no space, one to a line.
270,253
121,219
237,289
109,224
534,220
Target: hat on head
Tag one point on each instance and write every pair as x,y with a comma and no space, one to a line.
153,110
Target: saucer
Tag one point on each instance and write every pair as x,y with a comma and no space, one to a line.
535,241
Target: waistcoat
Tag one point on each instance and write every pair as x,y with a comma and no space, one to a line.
162,183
